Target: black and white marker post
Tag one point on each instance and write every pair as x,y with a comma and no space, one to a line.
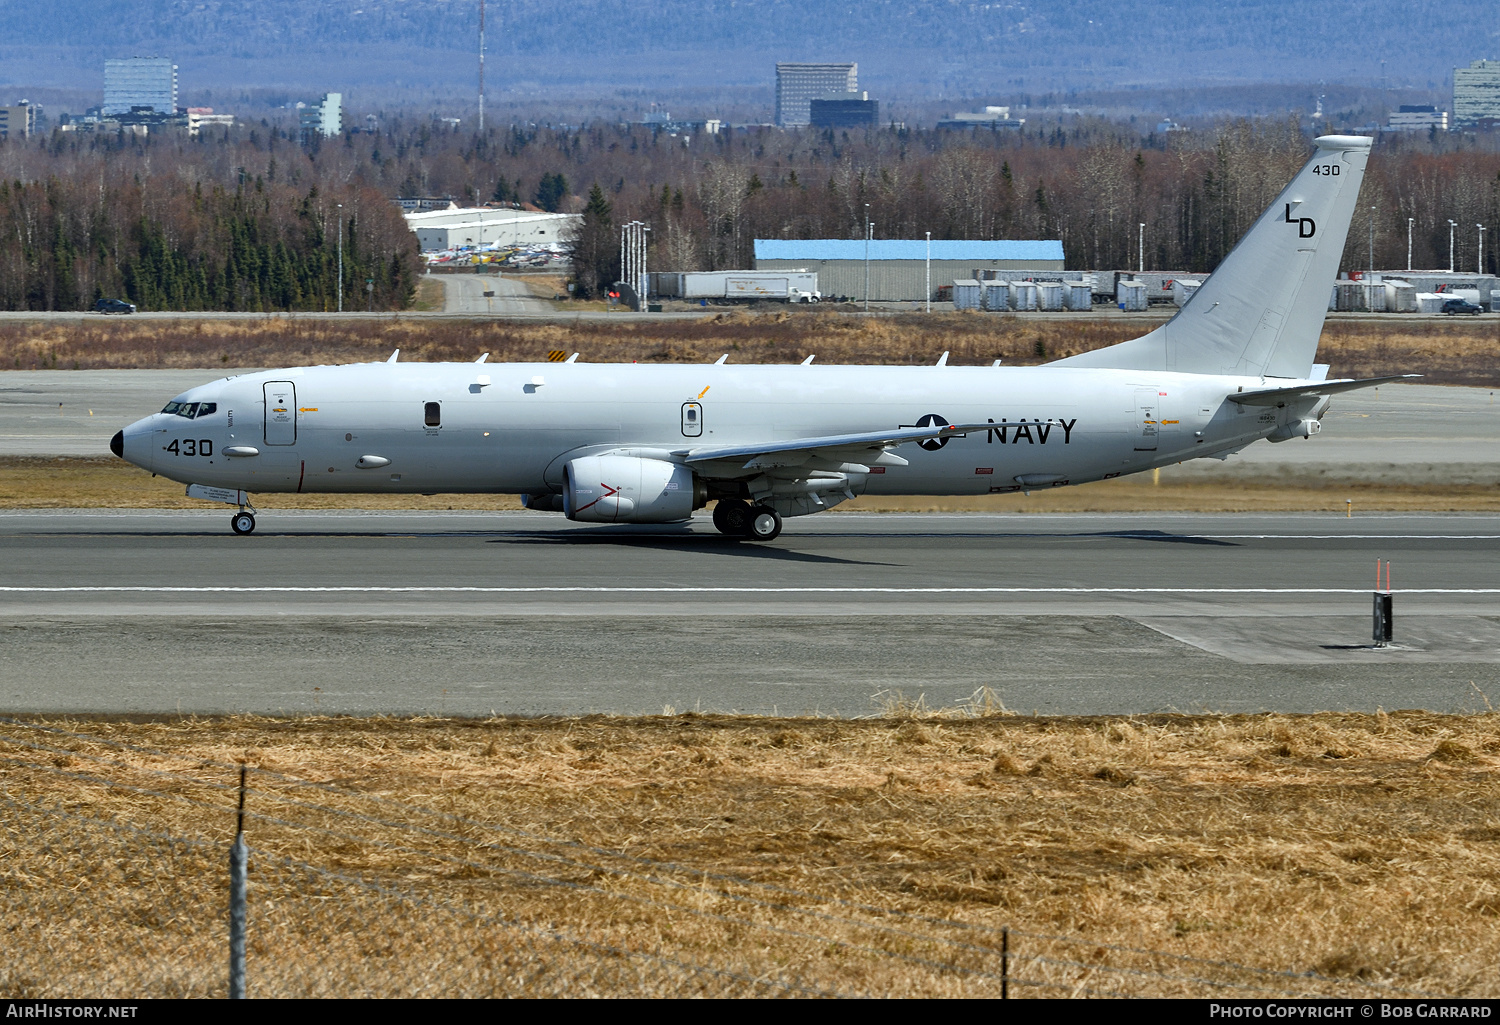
239,857
1381,620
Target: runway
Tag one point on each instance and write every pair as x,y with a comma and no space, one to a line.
457,613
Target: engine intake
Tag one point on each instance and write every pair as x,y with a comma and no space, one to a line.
628,489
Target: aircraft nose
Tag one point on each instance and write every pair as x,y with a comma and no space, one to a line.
117,444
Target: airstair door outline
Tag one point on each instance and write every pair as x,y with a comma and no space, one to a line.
692,420
281,413
1147,419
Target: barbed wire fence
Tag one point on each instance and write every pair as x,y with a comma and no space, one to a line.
116,877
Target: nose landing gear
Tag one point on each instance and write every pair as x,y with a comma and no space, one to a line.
242,523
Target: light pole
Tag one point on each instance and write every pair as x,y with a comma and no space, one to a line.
1409,222
341,257
867,257
1451,225
1140,249
929,272
1480,268
1372,243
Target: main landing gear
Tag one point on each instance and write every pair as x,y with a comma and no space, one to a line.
741,519
242,522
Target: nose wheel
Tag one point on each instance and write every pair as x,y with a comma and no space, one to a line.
242,523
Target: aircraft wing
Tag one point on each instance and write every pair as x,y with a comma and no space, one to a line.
1278,396
866,447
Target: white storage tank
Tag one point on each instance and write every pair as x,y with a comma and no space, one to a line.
1183,289
965,294
1049,295
1131,296
1023,293
994,296
1078,295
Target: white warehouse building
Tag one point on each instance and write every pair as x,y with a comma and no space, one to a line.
438,230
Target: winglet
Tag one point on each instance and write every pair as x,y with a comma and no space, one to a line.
393,356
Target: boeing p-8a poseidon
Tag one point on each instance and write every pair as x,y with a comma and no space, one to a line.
626,443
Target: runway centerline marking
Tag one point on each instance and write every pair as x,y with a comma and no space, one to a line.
590,589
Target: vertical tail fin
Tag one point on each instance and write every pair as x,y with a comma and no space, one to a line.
1262,310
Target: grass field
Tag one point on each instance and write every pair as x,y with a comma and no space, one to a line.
1362,848
1446,352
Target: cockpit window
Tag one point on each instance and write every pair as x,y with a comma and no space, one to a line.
190,410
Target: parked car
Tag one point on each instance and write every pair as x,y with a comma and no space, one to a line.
113,306
1453,307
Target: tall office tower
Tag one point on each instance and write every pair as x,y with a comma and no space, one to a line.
17,122
326,119
131,82
797,85
1476,94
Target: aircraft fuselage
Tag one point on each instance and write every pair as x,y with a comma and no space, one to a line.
510,428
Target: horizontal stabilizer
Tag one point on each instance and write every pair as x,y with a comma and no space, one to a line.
1278,396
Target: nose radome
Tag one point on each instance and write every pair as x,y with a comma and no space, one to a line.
117,444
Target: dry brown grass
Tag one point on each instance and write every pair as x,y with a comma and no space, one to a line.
105,483
1365,848
1449,353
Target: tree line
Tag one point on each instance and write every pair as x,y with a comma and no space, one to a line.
246,219
168,227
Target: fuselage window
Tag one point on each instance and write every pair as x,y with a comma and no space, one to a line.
432,414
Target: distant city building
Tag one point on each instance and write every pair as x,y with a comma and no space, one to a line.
18,121
200,117
325,119
1168,125
1417,117
843,110
140,84
797,85
1476,94
424,204
994,118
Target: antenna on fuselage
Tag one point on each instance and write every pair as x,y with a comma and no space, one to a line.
482,357
722,360
393,356
572,359
808,362
942,360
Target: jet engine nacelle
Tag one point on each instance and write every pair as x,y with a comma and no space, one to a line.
627,489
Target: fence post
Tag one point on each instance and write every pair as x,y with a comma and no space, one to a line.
239,857
1005,963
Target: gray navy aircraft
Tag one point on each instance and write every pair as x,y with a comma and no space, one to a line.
631,443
